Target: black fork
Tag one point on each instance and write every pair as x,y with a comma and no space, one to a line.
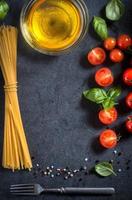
37,189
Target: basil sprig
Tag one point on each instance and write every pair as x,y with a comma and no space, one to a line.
4,8
96,95
114,10
100,27
114,92
100,96
104,169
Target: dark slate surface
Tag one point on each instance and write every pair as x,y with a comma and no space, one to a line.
61,128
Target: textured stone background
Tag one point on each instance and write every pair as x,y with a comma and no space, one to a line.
61,128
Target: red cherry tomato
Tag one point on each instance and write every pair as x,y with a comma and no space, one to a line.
124,41
129,100
129,124
104,77
127,76
96,56
108,138
108,116
109,43
116,55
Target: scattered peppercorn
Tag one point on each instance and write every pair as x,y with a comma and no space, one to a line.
66,177
115,151
58,174
32,157
119,170
128,168
119,154
81,169
67,168
52,175
48,168
71,175
86,159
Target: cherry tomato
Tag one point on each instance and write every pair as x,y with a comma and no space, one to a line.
129,100
110,43
129,124
127,76
124,41
108,116
108,138
116,55
104,77
96,56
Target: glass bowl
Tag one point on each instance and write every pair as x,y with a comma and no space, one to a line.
36,44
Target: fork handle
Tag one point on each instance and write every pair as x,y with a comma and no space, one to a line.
73,190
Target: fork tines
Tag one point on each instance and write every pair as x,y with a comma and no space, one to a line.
22,189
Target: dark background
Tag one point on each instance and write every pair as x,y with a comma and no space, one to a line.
61,128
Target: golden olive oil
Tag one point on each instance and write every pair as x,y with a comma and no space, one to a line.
53,24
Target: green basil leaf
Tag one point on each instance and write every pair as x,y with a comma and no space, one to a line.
114,10
108,103
100,27
96,95
4,8
104,169
114,92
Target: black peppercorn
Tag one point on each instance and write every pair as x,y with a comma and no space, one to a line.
119,154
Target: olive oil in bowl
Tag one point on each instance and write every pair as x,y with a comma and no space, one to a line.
53,26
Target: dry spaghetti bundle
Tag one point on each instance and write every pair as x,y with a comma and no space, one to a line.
15,149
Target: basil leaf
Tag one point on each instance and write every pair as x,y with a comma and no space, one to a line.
108,103
100,27
114,10
114,92
96,95
4,8
104,169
